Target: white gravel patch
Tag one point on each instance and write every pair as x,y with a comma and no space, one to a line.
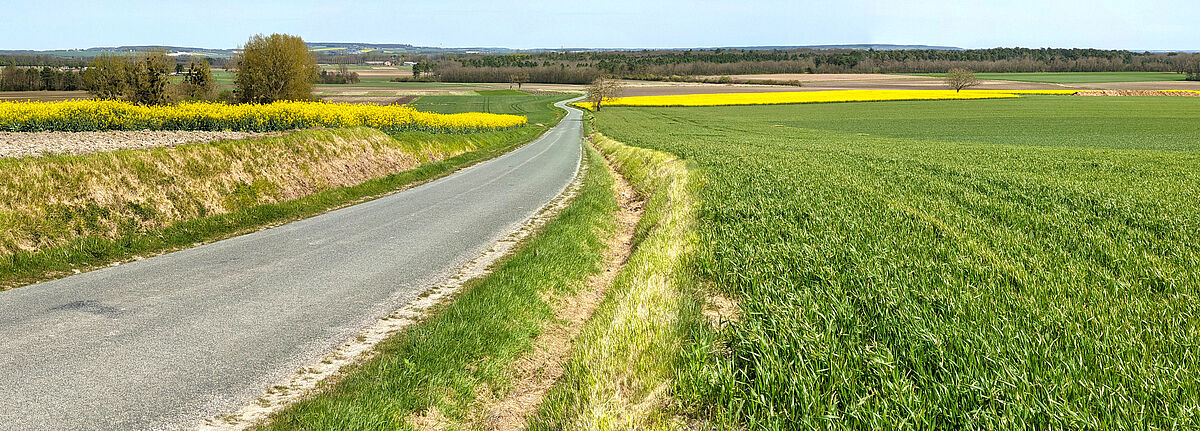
26,144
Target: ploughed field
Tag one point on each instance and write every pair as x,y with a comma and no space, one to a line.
1007,263
1080,77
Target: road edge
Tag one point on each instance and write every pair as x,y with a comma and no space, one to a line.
307,379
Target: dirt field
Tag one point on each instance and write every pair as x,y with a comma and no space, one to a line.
13,145
1137,93
862,81
42,96
1167,85
852,81
382,72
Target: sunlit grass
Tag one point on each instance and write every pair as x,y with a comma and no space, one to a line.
888,280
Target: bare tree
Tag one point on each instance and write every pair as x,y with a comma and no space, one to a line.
959,78
603,89
519,78
1191,67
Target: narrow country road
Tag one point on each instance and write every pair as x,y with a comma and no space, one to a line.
163,342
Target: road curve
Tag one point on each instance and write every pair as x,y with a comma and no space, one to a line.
164,342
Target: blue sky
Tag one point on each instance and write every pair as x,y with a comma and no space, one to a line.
1109,24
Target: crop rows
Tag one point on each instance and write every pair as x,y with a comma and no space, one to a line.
892,282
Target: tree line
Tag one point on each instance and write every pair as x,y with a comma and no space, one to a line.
267,69
145,78
38,60
342,76
13,78
584,67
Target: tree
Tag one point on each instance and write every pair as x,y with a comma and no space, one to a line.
519,78
199,81
148,78
1191,66
49,79
275,67
959,78
141,79
10,79
602,89
107,77
421,67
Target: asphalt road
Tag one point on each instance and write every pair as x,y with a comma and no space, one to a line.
164,342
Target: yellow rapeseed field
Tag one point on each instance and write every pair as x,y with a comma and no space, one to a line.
99,115
789,97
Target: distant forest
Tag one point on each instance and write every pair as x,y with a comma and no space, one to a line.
584,67
664,65
46,78
40,60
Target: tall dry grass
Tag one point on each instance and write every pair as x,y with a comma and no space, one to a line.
47,201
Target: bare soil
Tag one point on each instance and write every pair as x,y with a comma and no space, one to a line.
1164,85
42,96
29,144
535,373
382,72
1136,93
371,100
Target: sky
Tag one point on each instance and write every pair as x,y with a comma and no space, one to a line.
1105,24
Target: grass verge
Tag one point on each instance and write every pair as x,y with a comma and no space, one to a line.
622,372
431,373
67,214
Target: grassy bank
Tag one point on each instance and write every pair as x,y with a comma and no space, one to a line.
622,371
69,213
1003,273
433,371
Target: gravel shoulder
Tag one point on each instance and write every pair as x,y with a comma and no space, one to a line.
33,144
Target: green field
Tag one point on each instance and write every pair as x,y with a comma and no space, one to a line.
505,92
1080,77
946,264
529,106
1166,123
386,82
